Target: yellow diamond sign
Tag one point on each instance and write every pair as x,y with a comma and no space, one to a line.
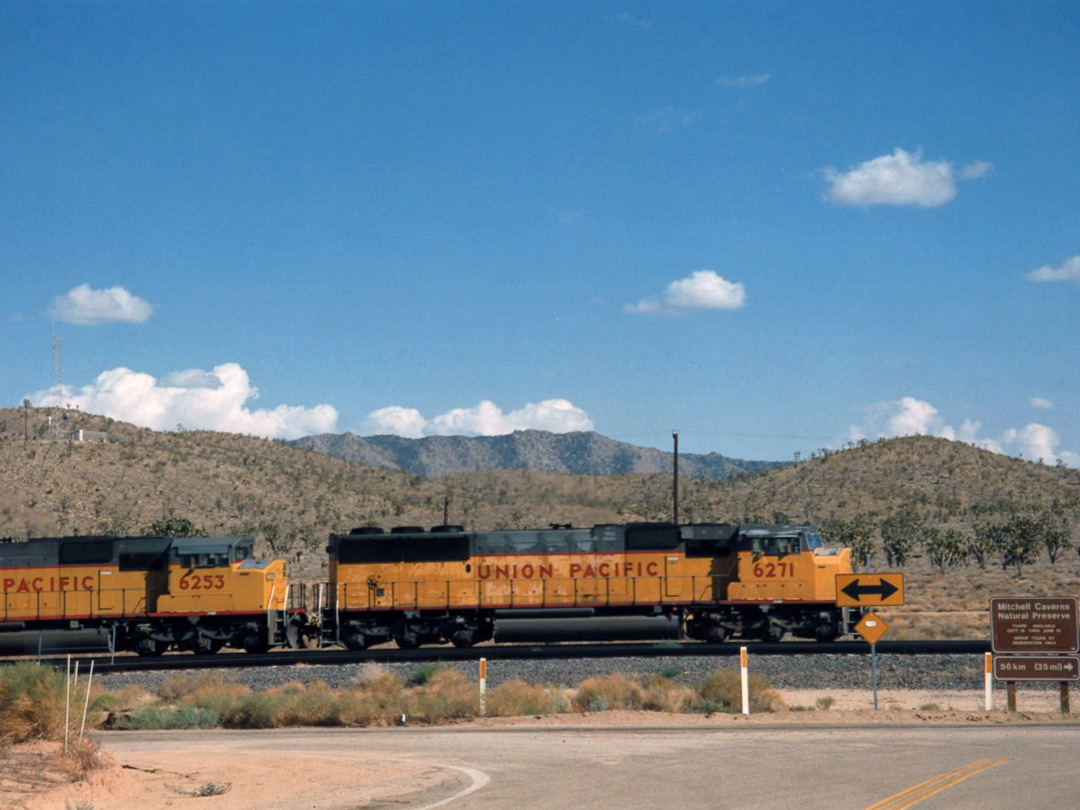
872,627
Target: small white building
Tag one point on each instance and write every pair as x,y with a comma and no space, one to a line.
88,436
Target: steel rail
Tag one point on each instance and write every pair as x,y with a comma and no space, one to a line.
497,652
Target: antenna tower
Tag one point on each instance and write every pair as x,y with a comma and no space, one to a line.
58,372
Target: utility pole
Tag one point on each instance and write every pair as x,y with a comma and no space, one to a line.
675,487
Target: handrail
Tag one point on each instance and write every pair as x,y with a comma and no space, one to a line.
578,592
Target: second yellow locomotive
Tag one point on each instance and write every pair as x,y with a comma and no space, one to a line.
151,594
720,580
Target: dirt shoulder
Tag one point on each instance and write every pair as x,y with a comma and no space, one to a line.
35,777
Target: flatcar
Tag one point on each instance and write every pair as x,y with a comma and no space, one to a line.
151,593
721,581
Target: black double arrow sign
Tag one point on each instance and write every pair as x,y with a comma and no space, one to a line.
856,591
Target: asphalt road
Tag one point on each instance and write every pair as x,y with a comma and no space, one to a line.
884,768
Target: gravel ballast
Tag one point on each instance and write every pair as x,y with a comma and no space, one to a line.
821,672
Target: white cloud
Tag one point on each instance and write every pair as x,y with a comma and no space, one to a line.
743,81
668,119
396,421
83,306
1069,271
909,416
703,289
208,400
902,178
634,22
1032,442
1040,402
976,170
486,419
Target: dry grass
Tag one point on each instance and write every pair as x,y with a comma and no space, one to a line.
662,694
616,691
80,759
516,697
722,691
32,703
378,698
32,706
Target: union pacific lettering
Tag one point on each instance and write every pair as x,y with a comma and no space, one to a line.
603,570
42,584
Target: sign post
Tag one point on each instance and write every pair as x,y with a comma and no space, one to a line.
872,627
870,591
1035,639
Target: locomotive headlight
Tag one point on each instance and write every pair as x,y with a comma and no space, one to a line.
270,576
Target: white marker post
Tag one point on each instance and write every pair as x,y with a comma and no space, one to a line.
67,703
989,686
483,687
745,681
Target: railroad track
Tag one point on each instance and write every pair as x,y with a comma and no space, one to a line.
104,663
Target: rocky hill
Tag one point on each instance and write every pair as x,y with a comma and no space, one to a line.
290,498
579,453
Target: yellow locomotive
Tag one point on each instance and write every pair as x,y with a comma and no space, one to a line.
720,580
151,593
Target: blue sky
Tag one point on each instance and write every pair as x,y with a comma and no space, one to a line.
773,227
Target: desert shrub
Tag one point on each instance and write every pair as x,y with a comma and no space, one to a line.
31,703
356,708
129,697
425,672
722,691
517,697
166,717
374,697
81,757
297,705
616,691
187,687
256,710
380,686
368,673
825,702
662,694
445,696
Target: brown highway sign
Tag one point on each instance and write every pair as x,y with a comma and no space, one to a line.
1037,667
1028,624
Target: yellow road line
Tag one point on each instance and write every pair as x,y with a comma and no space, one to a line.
914,795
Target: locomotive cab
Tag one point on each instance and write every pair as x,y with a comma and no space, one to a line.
785,583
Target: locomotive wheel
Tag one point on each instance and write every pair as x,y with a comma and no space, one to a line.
406,638
256,643
204,645
827,631
716,633
354,640
148,647
770,631
294,637
463,638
